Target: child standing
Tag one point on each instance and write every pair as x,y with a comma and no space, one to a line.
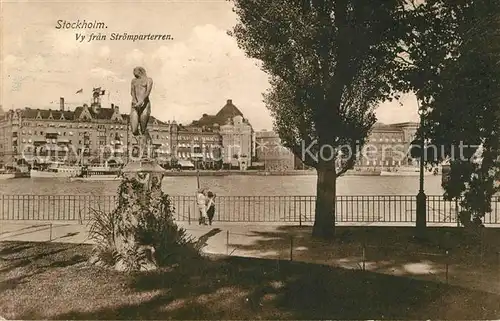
201,201
210,207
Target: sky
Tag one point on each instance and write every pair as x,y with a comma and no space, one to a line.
194,73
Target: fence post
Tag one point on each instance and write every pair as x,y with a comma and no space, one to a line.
291,248
481,245
227,242
80,216
457,212
189,215
447,264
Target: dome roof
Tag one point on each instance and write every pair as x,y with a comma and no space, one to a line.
229,111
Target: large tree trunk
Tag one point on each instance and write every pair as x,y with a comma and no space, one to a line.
324,220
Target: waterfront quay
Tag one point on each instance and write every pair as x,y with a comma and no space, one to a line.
294,209
242,200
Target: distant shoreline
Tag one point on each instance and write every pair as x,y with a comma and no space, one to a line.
261,173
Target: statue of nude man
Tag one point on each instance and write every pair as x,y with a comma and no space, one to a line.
141,105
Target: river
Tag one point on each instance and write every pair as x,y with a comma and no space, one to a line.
232,186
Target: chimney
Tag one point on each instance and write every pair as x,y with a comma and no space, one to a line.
229,101
116,108
61,103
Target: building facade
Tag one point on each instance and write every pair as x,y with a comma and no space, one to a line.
387,146
88,134
200,146
236,135
94,134
271,154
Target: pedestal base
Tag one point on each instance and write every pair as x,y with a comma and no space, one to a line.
421,218
144,166
150,174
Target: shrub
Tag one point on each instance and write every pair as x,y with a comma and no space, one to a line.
140,233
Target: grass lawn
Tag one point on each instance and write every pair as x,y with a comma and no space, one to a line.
53,281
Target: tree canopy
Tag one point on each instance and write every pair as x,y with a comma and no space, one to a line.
330,63
459,89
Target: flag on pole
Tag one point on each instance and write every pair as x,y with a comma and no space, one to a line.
79,91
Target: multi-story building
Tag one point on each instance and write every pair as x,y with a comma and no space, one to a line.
201,146
388,145
87,134
91,134
271,153
236,135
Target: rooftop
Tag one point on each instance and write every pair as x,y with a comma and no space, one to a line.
228,111
80,113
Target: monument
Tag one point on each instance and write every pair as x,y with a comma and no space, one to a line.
140,196
143,166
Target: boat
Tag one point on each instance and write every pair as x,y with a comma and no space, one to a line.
14,171
362,172
96,178
56,170
98,173
407,171
7,176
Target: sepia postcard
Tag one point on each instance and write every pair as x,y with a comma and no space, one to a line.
249,159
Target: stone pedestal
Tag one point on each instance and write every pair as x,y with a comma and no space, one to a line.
143,166
147,171
150,174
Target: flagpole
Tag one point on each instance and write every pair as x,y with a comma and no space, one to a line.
197,174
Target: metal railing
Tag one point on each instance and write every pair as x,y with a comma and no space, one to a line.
280,209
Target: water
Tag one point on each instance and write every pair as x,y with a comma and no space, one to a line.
383,199
232,186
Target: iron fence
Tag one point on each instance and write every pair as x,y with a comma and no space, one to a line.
281,209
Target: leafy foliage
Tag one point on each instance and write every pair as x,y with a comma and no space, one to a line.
102,231
330,63
457,81
141,229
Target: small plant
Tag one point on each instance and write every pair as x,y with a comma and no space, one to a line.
103,232
470,220
141,232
